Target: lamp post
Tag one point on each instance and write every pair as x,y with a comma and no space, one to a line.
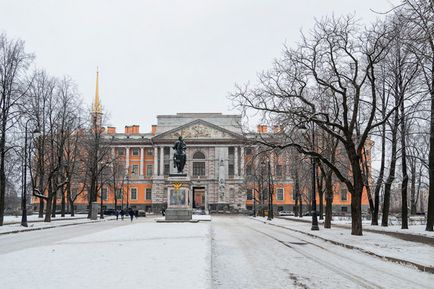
101,216
270,193
128,189
313,198
36,133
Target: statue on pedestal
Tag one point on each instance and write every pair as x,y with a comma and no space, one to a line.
179,157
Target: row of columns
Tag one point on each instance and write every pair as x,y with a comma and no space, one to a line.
158,164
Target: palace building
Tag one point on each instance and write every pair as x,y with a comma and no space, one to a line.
221,166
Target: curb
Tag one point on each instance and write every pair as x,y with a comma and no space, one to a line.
51,227
420,267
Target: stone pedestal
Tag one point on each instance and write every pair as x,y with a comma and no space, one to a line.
179,202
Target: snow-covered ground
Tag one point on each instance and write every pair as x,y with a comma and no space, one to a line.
141,254
16,227
34,218
415,229
252,254
227,252
379,244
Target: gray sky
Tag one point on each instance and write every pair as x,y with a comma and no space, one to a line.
163,56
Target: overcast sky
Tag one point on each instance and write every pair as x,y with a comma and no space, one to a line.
163,56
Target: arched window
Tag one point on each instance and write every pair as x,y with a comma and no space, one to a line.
199,155
198,164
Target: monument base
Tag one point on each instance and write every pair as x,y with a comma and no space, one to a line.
178,215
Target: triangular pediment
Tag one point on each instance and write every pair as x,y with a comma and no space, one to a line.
199,130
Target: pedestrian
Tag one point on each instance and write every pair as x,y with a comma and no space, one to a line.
117,214
163,212
131,213
122,214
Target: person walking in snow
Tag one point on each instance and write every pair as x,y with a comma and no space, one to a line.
122,214
117,214
131,213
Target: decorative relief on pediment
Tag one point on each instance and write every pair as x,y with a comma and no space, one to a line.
199,131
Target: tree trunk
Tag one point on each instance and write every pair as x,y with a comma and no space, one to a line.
430,217
329,201
321,197
404,185
391,177
54,206
413,200
63,204
49,203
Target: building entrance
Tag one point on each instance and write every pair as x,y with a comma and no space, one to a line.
198,198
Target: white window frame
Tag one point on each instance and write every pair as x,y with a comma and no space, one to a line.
131,195
146,194
283,194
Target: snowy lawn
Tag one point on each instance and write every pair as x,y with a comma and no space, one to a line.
34,218
14,227
144,254
377,243
412,229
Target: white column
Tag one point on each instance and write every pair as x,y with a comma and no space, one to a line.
236,161
141,161
155,161
242,161
127,158
162,161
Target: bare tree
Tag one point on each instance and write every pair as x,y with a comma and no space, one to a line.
336,60
14,62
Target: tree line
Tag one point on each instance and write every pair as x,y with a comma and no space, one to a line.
50,146
354,85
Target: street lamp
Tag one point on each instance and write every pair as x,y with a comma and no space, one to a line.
313,160
270,193
36,133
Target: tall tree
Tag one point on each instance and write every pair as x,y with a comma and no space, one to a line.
14,62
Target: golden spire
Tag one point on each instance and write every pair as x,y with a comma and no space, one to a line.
96,107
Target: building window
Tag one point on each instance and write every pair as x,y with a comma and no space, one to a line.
149,169
231,170
249,170
198,168
199,156
134,169
104,194
344,194
278,170
135,151
120,151
344,209
279,194
248,151
119,194
133,194
249,195
166,169
148,195
150,151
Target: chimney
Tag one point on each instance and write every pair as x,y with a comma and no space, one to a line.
154,129
127,129
262,128
111,130
135,129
